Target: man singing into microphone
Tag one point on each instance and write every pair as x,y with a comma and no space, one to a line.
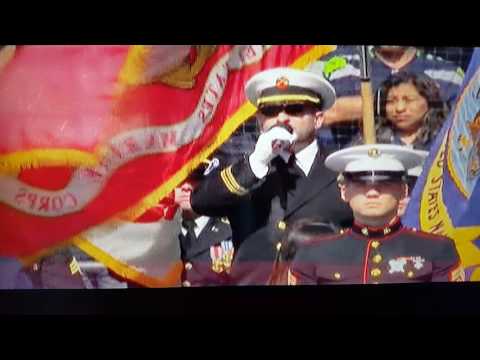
282,180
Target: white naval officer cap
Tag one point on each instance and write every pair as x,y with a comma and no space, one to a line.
281,85
374,162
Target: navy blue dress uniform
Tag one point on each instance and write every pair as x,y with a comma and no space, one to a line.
207,257
206,246
366,255
260,210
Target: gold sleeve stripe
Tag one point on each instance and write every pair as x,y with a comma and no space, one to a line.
228,184
234,181
231,183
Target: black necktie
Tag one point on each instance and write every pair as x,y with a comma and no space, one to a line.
291,161
189,225
293,167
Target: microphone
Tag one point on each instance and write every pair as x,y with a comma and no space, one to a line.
285,146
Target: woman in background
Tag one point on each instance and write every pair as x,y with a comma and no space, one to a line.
410,110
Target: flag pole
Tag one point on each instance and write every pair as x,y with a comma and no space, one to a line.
366,93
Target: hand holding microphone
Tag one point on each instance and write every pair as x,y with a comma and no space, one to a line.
276,141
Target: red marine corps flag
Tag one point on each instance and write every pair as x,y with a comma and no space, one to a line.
94,134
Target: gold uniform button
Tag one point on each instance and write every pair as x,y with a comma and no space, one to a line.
410,274
278,246
188,266
377,259
337,276
282,225
375,244
376,272
186,283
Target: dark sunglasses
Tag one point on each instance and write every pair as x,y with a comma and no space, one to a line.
290,109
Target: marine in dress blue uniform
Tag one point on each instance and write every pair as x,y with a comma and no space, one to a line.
377,248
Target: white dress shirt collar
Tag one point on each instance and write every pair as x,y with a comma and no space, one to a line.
305,157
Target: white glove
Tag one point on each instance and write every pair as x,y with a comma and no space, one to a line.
269,145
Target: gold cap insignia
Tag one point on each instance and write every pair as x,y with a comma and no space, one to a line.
282,83
374,153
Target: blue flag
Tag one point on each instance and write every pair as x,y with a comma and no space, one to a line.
446,198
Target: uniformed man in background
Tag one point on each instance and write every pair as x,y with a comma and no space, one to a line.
205,242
